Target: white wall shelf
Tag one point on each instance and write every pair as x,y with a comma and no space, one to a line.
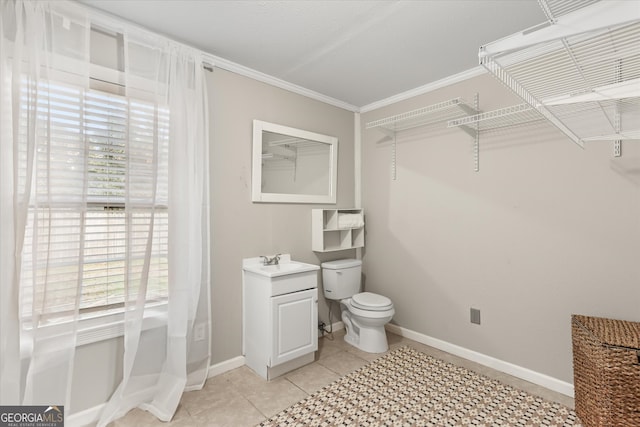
514,115
461,115
581,71
337,229
430,115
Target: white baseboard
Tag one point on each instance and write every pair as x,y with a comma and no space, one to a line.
337,326
236,362
509,368
227,365
90,416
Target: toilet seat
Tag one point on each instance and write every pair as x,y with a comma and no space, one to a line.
371,302
370,306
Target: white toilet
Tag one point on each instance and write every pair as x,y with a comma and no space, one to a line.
364,314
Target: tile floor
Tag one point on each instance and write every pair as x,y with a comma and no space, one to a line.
242,398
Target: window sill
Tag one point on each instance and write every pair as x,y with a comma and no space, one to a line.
98,327
107,326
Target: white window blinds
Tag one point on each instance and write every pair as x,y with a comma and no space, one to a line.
97,227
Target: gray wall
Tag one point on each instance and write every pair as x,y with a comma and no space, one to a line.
242,229
544,230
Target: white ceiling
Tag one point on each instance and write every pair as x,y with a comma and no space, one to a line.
356,52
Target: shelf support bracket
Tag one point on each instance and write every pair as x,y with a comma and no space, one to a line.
467,109
617,144
392,135
471,131
617,119
476,138
617,148
471,127
393,158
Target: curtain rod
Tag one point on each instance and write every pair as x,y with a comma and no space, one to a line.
109,23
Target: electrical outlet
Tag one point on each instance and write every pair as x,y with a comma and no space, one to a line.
199,332
475,316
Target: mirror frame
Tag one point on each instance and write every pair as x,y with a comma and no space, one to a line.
256,176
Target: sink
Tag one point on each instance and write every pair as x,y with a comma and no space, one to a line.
285,266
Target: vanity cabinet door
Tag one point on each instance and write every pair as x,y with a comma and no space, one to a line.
295,325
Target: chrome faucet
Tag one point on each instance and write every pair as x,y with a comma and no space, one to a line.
270,261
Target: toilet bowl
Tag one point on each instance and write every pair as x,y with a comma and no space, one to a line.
365,324
364,314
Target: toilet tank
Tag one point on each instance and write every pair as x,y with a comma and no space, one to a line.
341,278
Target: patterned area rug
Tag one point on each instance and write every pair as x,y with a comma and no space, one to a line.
407,387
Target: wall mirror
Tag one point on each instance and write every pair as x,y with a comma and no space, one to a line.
293,165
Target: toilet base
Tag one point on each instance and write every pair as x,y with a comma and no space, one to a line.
375,341
365,337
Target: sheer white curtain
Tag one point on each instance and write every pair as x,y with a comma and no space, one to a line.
177,79
79,168
39,202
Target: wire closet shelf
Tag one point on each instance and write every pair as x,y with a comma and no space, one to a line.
425,116
581,70
435,114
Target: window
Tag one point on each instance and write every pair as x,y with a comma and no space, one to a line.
98,215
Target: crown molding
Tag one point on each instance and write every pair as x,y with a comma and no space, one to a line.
228,65
225,64
113,21
447,81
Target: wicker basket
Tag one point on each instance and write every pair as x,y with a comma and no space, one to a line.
606,371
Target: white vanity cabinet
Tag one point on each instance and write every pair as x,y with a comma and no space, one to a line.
294,320
280,317
337,229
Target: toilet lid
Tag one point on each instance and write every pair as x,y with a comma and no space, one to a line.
371,301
